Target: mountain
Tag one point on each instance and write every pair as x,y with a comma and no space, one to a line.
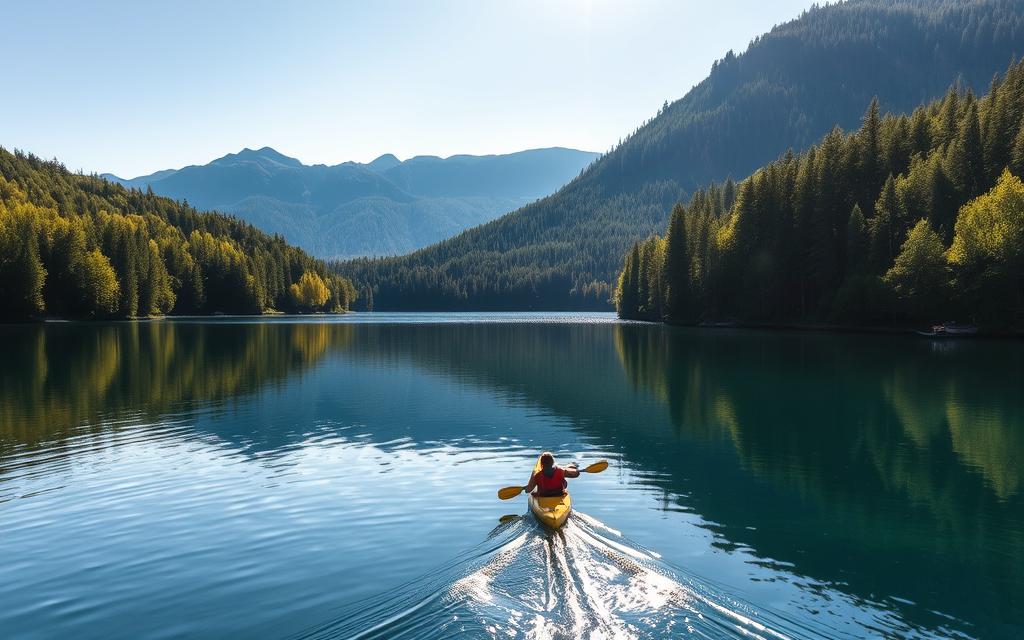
384,162
788,89
385,207
78,246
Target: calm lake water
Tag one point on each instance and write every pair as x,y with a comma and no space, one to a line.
336,477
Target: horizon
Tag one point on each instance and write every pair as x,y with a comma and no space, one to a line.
357,82
335,164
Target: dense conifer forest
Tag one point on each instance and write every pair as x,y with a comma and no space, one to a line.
76,246
788,89
909,219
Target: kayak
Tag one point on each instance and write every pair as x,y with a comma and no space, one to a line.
551,512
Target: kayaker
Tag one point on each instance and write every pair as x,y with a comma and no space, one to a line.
550,480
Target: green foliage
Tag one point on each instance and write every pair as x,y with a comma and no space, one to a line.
788,89
310,293
856,242
78,246
21,270
798,245
627,295
988,251
1017,158
920,275
99,286
677,268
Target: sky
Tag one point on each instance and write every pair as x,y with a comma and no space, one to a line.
135,87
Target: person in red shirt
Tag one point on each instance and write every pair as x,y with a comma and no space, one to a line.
550,480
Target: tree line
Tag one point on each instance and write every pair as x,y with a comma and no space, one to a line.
911,218
77,246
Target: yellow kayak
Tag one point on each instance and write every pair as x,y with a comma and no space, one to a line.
551,512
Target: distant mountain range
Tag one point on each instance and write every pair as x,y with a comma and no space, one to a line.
385,207
790,87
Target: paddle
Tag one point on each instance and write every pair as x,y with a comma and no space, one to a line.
597,467
511,492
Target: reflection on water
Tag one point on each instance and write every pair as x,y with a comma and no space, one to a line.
290,477
800,396
902,459
58,377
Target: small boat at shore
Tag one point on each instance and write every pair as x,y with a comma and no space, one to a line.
950,330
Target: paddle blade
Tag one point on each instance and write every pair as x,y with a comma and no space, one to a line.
597,467
507,519
510,492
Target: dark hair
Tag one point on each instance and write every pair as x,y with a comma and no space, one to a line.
546,459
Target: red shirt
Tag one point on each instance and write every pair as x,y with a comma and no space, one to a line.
550,485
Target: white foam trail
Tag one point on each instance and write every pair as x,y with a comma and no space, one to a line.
583,581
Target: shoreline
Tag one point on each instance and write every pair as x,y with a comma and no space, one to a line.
852,329
204,316
1008,334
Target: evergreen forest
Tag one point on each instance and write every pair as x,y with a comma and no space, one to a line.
77,246
909,219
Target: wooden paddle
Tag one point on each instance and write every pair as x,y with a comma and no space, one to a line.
511,492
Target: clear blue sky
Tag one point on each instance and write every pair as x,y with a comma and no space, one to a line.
133,87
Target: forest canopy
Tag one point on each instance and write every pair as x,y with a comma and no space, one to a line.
77,246
911,218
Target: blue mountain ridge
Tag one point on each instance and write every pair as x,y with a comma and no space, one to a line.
384,207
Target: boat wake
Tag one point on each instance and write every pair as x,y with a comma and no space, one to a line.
583,581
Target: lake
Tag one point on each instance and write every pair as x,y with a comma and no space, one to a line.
325,477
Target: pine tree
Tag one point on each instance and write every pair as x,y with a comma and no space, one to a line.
148,293
804,221
1017,154
677,268
644,280
965,159
627,295
885,228
996,134
656,279
857,243
944,129
826,246
22,274
920,132
728,194
898,146
869,139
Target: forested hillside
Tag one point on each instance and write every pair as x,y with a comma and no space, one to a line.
383,208
909,219
77,246
788,89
